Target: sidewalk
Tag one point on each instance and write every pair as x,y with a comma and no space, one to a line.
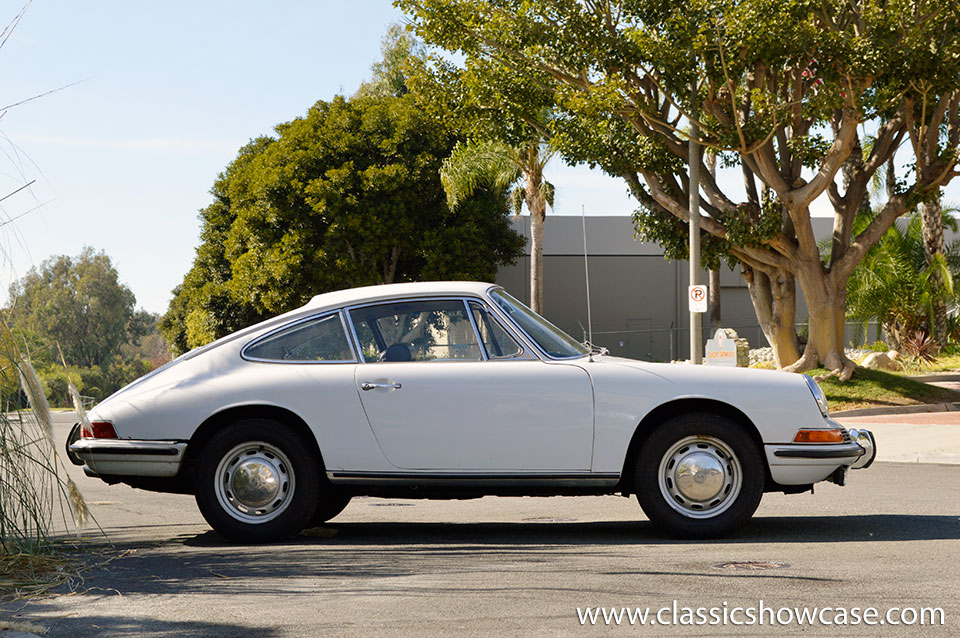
920,437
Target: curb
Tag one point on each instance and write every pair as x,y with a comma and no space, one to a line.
926,378
900,409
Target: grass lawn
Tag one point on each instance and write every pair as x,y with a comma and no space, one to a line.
943,363
873,388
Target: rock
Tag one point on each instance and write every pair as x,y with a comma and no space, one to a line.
894,355
879,361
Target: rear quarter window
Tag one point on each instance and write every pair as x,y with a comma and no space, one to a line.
320,339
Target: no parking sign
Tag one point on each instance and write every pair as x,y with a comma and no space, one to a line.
697,296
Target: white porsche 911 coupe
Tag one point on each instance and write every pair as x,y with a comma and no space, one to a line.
455,390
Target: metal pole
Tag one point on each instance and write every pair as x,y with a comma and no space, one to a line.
586,276
696,356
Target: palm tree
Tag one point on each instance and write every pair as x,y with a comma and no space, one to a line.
499,165
896,285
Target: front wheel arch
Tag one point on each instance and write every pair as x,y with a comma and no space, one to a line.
666,411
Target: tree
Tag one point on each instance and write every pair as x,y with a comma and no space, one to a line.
501,166
934,251
780,88
348,195
897,286
80,304
399,52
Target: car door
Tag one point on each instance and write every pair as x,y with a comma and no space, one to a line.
436,400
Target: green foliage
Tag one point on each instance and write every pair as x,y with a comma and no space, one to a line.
78,303
776,82
75,310
877,346
399,52
894,285
752,227
95,382
348,195
477,164
673,235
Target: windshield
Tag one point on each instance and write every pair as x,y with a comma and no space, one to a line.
552,340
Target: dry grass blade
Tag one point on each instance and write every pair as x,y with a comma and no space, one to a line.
26,627
27,574
81,513
34,489
76,400
37,398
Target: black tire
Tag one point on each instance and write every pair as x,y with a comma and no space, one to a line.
681,464
257,481
332,502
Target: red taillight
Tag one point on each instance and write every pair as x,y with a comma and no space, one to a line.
98,430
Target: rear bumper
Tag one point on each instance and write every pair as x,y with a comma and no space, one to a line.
129,457
792,464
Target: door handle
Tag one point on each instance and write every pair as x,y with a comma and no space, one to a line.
371,385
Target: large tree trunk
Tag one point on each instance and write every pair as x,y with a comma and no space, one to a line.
774,297
538,214
715,313
931,218
826,305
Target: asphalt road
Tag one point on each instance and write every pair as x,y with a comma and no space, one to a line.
511,566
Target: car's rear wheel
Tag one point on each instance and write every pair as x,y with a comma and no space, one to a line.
257,481
699,476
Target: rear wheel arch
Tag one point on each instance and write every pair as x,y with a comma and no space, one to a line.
223,419
671,409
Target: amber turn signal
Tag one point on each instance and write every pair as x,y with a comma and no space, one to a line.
818,436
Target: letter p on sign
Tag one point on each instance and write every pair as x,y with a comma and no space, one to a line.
697,296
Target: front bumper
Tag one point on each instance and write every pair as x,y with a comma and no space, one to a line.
802,464
128,457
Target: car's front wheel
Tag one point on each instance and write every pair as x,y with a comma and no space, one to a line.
257,481
699,476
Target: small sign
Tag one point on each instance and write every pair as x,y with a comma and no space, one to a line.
721,350
698,298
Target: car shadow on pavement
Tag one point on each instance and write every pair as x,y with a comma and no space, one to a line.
124,625
357,557
772,529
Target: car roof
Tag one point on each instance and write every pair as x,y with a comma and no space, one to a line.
348,297
366,294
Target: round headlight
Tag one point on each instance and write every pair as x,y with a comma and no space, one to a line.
818,395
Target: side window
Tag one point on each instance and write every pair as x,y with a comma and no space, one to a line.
497,341
434,330
321,339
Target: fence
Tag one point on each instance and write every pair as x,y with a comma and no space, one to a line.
671,342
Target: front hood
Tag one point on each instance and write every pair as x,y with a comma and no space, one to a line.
691,373
777,403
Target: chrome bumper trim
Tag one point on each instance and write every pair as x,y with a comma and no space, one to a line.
845,451
130,457
866,440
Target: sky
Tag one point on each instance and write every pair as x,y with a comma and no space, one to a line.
159,97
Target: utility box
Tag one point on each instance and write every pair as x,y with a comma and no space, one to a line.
727,349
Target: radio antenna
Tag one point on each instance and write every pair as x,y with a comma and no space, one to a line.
586,275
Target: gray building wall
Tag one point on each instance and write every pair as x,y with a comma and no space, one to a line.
638,298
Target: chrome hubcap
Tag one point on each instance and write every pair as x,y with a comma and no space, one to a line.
700,476
254,482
